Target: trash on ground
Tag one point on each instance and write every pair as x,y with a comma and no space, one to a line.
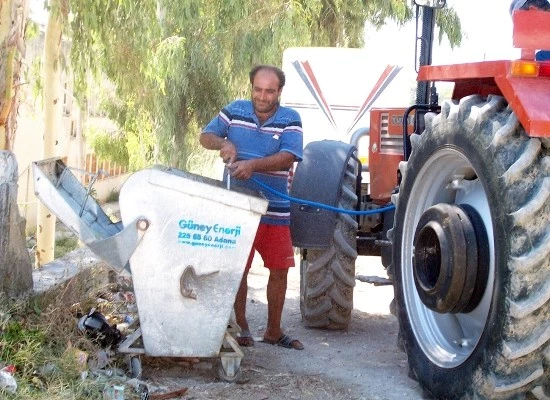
168,395
113,392
80,358
7,381
100,359
97,328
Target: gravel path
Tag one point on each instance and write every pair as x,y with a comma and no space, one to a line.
360,363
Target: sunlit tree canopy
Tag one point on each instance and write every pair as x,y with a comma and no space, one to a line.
175,63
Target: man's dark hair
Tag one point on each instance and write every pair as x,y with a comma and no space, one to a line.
540,4
278,71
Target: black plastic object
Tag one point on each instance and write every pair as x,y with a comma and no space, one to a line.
97,328
318,178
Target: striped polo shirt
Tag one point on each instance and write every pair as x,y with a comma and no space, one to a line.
282,132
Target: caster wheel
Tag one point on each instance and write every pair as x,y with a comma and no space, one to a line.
135,367
224,376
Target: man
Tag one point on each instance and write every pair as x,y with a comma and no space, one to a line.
528,4
259,138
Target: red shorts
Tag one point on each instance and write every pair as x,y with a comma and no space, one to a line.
274,245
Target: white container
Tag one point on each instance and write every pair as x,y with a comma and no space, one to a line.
189,263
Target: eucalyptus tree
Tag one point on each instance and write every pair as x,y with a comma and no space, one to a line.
13,16
174,63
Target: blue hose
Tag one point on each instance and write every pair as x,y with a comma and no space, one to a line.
320,205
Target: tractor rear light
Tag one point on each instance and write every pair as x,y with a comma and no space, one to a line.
524,68
544,69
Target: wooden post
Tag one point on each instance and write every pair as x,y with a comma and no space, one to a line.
53,112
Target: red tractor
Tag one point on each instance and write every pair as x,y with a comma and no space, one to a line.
460,199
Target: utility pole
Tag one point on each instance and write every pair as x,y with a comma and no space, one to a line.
53,111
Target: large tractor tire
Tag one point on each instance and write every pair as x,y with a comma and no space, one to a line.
472,255
328,275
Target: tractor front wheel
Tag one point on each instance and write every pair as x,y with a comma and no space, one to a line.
472,255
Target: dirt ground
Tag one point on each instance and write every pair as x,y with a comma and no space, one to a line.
360,363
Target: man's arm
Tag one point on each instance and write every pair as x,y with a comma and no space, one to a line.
243,169
280,161
227,149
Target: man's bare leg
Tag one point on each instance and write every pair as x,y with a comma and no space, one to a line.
245,338
240,299
240,304
276,293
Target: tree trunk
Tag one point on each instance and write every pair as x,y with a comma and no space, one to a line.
13,19
15,263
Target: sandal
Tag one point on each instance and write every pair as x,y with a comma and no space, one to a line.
286,342
245,339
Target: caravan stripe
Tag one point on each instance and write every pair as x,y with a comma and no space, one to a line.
385,79
308,77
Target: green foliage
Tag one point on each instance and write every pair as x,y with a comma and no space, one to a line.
33,75
134,145
113,37
140,139
65,245
111,147
112,197
449,24
175,64
379,11
21,346
32,30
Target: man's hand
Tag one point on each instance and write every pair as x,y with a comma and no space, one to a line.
228,152
241,169
227,149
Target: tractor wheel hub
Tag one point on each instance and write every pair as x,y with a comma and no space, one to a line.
450,258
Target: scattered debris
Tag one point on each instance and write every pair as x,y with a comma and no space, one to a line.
169,395
113,392
80,358
7,381
97,328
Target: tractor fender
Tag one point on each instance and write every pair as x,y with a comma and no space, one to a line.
318,178
529,98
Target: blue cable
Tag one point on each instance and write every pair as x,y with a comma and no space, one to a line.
321,205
